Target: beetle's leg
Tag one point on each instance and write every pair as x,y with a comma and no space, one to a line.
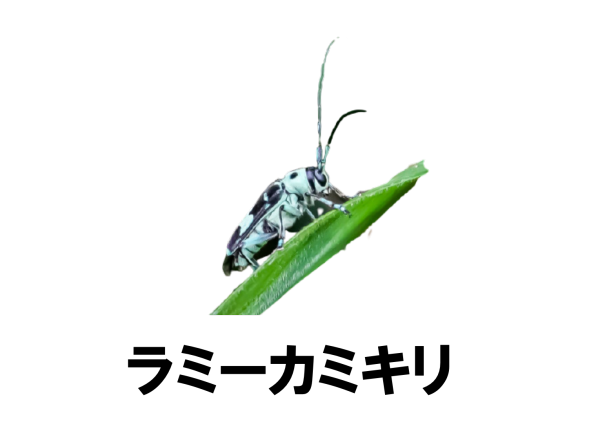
304,210
291,210
331,204
258,238
294,206
248,256
254,241
282,229
297,210
308,212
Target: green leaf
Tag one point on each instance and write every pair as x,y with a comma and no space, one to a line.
315,245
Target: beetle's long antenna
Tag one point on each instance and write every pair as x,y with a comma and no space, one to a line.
320,159
320,95
355,111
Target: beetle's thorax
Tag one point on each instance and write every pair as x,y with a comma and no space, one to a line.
295,182
306,181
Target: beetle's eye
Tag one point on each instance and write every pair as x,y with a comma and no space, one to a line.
320,177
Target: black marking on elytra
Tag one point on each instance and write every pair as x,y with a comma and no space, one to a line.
234,238
293,175
310,176
258,212
272,190
320,177
258,206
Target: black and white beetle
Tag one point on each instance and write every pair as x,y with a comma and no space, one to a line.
286,204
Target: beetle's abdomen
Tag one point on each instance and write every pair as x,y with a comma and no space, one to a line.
228,265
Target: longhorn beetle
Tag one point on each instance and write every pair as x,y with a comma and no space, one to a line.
286,204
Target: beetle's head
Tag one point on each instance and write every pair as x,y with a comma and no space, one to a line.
321,180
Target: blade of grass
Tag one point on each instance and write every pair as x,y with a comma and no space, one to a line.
315,245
